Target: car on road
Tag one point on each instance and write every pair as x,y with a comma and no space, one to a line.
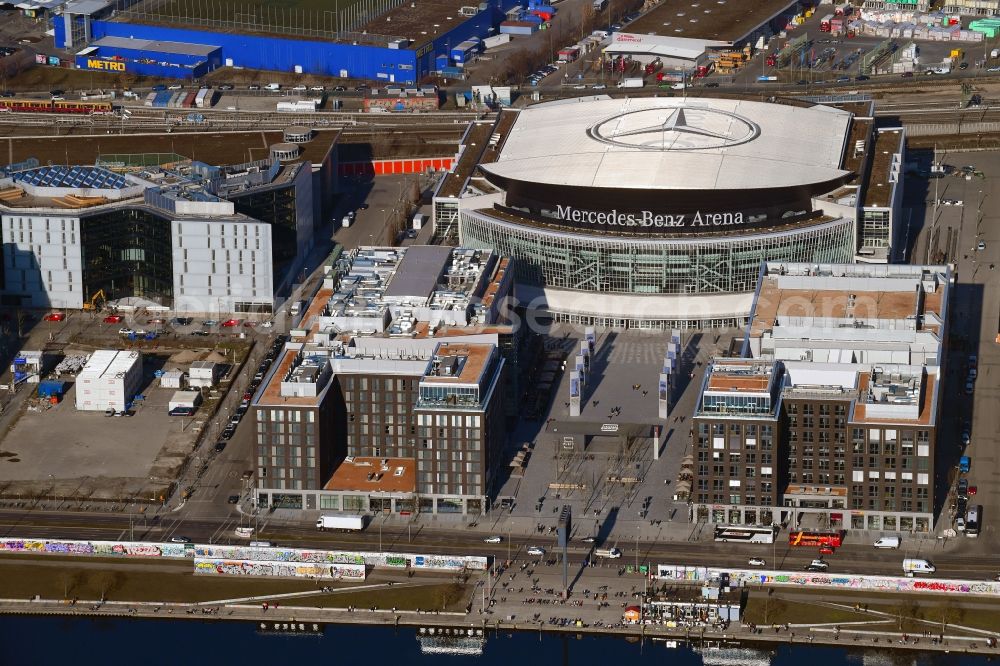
950,202
969,387
973,490
181,411
54,316
182,321
536,550
493,539
125,331
220,447
339,89
907,75
253,86
826,550
234,499
598,86
843,79
712,84
113,319
962,489
203,334
226,86
862,78
589,539
817,565
300,88
180,539
981,245
318,88
964,65
175,86
756,562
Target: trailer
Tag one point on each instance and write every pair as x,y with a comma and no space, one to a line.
344,523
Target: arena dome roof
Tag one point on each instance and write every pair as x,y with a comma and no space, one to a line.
674,144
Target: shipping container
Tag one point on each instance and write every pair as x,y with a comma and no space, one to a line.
518,28
495,40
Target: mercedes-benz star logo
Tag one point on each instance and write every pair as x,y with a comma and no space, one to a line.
674,128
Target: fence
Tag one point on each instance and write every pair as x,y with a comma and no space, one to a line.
389,167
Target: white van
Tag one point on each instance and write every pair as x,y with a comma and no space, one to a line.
418,221
887,542
912,565
610,553
272,86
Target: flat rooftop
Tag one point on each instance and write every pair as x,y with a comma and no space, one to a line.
863,292
878,190
418,271
475,142
926,405
217,149
155,46
458,363
420,22
708,19
387,475
752,376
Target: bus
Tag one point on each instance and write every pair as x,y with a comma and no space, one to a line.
806,538
973,521
744,533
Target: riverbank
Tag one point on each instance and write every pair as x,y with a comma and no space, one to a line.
469,624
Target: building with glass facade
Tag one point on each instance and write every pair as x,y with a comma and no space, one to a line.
188,236
657,212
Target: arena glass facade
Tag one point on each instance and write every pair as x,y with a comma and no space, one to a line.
642,266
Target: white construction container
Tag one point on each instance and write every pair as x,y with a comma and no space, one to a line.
204,373
172,379
189,399
111,379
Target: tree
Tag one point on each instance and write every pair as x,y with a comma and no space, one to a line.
950,613
108,582
905,610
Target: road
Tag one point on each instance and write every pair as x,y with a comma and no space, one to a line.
851,558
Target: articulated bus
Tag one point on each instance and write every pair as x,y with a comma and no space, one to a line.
744,533
805,538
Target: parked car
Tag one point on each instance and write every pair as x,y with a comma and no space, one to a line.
536,550
113,319
253,86
962,489
981,245
339,89
234,499
210,323
220,447
125,331
54,316
969,387
182,321
226,86
174,86
229,323
318,88
181,411
203,334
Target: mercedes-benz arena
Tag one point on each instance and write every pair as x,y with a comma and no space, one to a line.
657,212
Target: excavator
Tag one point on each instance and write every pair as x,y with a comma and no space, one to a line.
96,301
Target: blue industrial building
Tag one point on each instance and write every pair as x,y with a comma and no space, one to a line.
387,60
148,58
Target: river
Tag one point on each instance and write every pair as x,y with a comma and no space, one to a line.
54,640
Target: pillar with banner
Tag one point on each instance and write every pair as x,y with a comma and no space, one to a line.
575,391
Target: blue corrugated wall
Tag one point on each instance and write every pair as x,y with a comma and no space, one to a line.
328,58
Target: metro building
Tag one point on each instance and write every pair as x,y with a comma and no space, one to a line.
657,212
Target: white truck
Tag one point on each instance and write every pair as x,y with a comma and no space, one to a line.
610,553
345,523
631,83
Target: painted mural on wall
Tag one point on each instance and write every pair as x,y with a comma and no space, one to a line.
742,577
354,572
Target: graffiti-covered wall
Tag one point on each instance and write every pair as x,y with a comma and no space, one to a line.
95,548
745,577
354,572
309,556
